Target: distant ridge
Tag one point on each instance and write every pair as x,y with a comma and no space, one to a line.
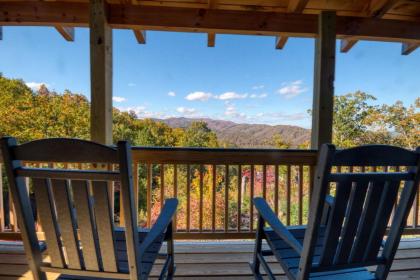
246,135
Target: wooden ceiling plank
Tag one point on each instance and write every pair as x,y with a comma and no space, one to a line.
212,4
140,36
378,9
296,6
281,42
66,32
73,14
347,44
408,48
211,40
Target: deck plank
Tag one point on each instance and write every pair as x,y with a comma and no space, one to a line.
214,260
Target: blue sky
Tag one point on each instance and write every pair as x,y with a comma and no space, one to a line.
243,79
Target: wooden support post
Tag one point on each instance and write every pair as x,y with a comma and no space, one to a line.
324,72
1,32
101,73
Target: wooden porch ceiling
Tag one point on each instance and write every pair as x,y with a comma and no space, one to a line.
379,20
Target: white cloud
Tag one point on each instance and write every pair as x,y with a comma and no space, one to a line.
171,93
143,113
35,86
262,95
131,84
231,112
199,95
186,111
118,99
232,95
258,87
290,90
279,116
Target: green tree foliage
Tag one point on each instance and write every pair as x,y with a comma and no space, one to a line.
29,115
358,121
198,135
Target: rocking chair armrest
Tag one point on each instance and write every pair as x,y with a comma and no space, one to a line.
162,223
270,217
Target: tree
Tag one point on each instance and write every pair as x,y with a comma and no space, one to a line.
279,142
198,134
350,122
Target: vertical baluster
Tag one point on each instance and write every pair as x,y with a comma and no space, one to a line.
188,197
136,186
162,185
416,209
226,197
201,198
276,190
300,194
311,182
251,210
288,195
176,193
264,181
12,214
2,223
149,194
213,202
239,196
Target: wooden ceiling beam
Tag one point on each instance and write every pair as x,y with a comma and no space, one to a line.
296,6
375,9
408,48
140,36
281,42
211,40
66,32
39,13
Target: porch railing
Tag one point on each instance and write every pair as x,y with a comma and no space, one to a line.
215,188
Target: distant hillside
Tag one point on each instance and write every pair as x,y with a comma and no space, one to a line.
247,135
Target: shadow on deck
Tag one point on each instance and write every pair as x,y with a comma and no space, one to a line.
212,260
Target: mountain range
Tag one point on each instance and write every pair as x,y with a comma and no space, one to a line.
247,135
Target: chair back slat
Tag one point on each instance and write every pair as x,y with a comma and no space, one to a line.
335,222
383,214
367,219
105,225
86,224
355,208
362,208
74,203
66,222
48,219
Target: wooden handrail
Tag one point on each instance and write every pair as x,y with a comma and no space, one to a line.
203,179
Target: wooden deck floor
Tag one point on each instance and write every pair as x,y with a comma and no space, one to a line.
214,260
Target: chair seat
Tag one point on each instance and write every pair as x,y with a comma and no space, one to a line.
289,259
147,261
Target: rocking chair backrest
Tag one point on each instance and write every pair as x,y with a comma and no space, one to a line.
363,205
73,205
